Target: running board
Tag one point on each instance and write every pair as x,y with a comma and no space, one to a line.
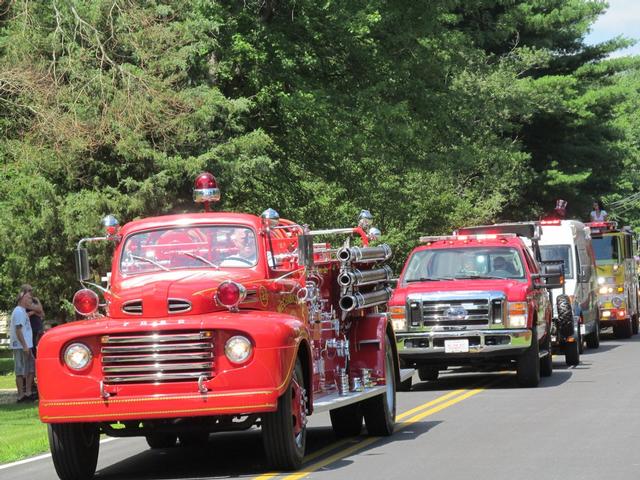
333,400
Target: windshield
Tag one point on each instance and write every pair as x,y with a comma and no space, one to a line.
187,248
606,249
558,252
461,263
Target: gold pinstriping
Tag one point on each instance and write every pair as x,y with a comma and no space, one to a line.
156,399
158,412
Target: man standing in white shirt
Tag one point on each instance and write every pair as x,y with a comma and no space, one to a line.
21,338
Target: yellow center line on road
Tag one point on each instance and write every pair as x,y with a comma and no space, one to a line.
437,405
340,443
370,440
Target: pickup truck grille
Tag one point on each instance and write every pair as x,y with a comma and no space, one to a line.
455,312
157,357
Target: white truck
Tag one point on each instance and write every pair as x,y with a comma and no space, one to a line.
575,310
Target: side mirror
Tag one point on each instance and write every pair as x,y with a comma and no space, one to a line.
81,258
305,251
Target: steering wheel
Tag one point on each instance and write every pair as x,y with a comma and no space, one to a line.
501,273
237,259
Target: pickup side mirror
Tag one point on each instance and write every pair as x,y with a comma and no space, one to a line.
552,273
81,258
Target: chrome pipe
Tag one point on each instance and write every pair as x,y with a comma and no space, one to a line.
365,254
364,300
365,277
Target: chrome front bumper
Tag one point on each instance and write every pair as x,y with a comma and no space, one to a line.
481,341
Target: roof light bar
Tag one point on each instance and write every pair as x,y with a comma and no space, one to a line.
466,238
602,225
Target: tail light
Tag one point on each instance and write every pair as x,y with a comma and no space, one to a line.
230,294
85,301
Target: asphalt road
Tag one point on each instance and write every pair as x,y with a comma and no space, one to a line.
581,423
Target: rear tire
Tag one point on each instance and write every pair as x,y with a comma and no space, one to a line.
635,325
284,432
347,421
565,316
593,339
380,411
428,373
528,367
74,449
622,329
161,440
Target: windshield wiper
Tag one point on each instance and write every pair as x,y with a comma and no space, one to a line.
145,259
202,259
428,279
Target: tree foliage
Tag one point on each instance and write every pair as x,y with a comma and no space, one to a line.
432,114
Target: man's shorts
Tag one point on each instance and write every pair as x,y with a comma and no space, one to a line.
24,364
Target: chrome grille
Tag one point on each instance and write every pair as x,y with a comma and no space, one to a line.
456,310
178,305
132,307
157,357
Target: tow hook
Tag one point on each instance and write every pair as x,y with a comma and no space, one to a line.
202,388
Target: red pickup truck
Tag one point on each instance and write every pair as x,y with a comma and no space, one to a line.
478,297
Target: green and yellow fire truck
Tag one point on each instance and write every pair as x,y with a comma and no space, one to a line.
617,277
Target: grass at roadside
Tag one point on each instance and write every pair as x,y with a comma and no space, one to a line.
7,377
7,381
23,435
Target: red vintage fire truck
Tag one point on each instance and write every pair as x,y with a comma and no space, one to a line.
216,322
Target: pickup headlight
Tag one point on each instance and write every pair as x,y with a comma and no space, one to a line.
518,314
77,356
398,318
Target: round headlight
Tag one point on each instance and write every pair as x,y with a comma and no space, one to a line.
237,349
77,356
617,301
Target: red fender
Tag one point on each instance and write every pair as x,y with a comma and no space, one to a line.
367,346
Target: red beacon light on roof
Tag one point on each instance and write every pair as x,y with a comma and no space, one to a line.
205,190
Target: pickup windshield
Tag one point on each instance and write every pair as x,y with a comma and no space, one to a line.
216,247
469,263
556,253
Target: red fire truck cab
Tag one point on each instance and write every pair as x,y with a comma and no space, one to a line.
216,322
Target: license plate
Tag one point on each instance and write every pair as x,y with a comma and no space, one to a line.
583,329
456,346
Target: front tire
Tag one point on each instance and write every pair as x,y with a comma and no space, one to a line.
284,432
74,449
193,439
528,367
380,411
572,353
